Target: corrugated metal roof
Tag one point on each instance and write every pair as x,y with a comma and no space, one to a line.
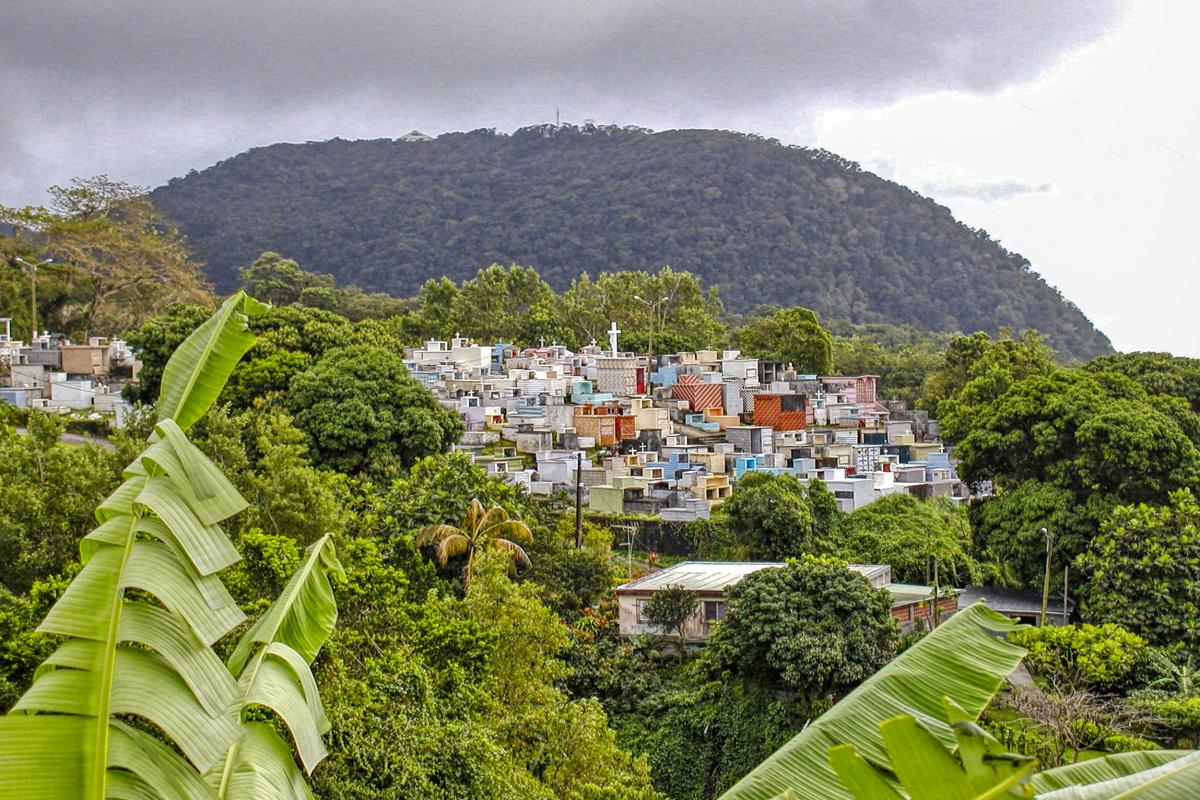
1015,601
714,576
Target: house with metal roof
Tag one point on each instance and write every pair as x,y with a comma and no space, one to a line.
1021,604
911,604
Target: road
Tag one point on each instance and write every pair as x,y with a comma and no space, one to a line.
76,438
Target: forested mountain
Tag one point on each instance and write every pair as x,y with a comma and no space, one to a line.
768,224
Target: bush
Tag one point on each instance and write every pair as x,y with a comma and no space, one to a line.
1099,657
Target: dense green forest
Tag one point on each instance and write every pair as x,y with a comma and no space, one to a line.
764,223
491,667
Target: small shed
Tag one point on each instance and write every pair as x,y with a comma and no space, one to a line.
1023,604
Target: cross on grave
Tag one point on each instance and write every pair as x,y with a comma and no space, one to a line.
612,338
541,341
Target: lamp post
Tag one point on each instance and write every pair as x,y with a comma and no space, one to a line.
33,268
653,316
1046,579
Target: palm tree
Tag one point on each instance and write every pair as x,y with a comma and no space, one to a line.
489,529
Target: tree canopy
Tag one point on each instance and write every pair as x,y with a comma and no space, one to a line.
363,412
108,260
791,335
813,627
763,222
776,516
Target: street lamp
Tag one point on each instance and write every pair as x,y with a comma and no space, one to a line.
33,268
1049,537
653,315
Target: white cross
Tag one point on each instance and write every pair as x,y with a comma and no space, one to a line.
612,338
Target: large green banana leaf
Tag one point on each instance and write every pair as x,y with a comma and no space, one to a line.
966,658
148,654
139,619
1150,775
201,365
278,677
928,771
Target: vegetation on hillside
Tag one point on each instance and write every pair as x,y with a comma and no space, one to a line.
515,683
765,223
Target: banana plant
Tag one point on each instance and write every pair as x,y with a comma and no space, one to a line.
899,737
135,703
927,771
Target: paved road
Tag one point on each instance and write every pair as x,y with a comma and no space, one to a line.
75,438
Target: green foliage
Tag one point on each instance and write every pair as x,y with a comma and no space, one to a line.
154,342
1063,448
963,658
1175,720
921,764
902,356
773,517
363,412
812,627
791,335
700,741
136,626
437,697
570,578
483,530
280,281
677,310
1144,571
439,489
116,261
909,534
763,222
47,498
977,371
670,609
1007,530
1087,657
1158,373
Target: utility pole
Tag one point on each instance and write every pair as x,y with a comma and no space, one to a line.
937,591
33,268
629,530
578,500
1046,578
1066,578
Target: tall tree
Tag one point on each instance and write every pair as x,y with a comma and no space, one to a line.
813,627
118,261
775,517
363,412
1143,572
792,335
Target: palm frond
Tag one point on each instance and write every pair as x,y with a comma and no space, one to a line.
509,529
435,533
451,546
518,552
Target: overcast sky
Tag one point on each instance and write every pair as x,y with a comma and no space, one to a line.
1069,129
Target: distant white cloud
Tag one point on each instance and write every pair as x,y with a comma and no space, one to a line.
948,182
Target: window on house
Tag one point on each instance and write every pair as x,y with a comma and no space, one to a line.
641,612
714,611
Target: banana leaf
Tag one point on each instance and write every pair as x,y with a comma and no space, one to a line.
1127,776
139,619
272,664
199,368
966,658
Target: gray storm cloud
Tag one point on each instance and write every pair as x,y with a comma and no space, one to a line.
145,90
